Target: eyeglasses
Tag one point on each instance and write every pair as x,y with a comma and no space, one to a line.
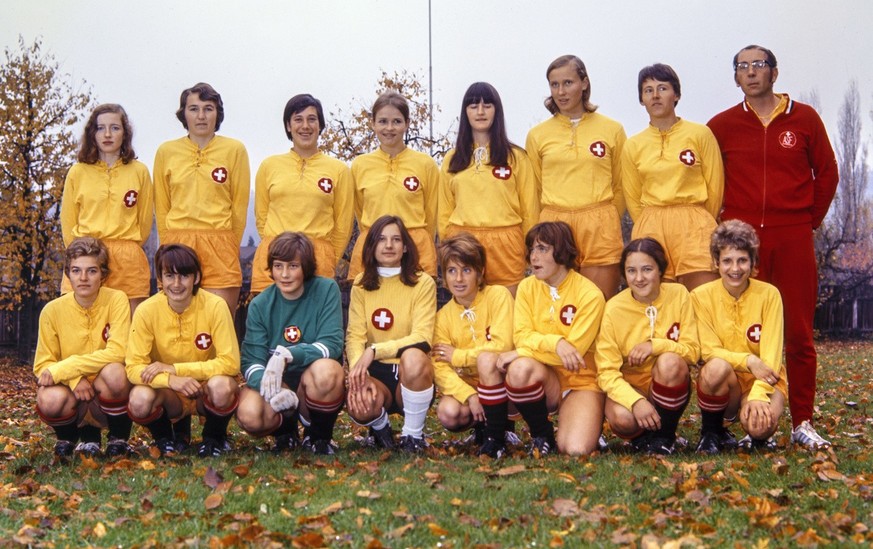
744,65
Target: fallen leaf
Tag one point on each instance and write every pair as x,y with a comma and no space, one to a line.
565,507
511,470
398,532
437,530
212,478
213,501
99,530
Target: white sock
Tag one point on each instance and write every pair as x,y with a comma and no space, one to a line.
415,406
379,423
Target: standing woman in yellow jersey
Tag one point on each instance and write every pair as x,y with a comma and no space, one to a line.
673,180
576,156
488,188
108,195
202,191
556,319
647,340
305,191
395,180
391,319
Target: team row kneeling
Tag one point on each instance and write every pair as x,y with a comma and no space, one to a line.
558,348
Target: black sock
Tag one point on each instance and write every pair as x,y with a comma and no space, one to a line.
712,421
119,426
68,432
161,428
182,429
531,404
288,426
322,418
495,419
216,425
89,433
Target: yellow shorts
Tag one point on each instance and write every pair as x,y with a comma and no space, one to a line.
505,252
747,379
325,262
583,380
597,230
639,378
128,270
423,241
684,231
219,256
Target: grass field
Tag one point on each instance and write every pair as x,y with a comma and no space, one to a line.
364,498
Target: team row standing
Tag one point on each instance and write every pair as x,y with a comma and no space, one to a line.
584,172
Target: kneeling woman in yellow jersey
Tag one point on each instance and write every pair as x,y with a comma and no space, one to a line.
740,324
391,318
647,341
395,180
303,190
470,330
108,195
79,362
183,358
557,315
488,187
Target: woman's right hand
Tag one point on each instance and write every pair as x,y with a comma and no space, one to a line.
646,415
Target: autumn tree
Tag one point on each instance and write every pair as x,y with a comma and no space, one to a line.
348,133
844,243
39,106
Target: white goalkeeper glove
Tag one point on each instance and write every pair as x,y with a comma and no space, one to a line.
285,399
271,381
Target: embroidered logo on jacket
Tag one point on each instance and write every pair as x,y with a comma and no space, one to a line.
130,198
292,334
502,172
673,332
105,333
382,319
598,149
203,341
326,185
754,333
411,183
788,139
487,333
568,313
687,157
219,175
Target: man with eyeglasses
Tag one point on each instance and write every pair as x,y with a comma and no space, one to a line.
780,176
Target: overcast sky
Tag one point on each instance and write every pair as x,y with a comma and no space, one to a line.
258,54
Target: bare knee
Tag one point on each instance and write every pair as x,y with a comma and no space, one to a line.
522,372
486,366
453,415
55,401
221,391
112,382
250,413
670,369
324,380
714,375
141,401
416,369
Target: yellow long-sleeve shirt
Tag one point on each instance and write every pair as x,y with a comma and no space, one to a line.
541,321
733,329
405,186
310,195
200,343
392,317
485,326
109,203
202,189
626,324
74,341
680,166
577,165
489,196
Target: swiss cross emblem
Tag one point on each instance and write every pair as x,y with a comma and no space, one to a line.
788,139
325,184
130,198
488,333
754,333
382,319
203,341
598,149
411,183
292,334
219,175
106,332
502,172
673,332
568,313
687,157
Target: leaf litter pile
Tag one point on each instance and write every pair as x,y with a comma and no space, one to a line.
447,497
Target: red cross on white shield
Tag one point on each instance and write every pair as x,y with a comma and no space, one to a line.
203,341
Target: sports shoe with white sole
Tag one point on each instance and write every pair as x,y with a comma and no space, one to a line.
806,435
